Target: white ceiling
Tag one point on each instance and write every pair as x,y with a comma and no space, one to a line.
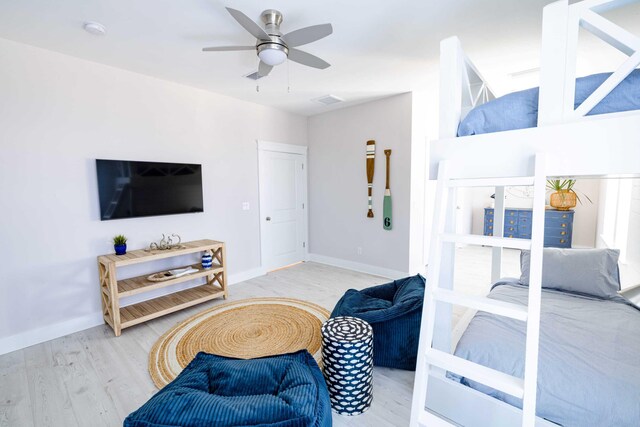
378,48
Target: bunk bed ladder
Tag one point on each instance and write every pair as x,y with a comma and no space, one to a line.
433,355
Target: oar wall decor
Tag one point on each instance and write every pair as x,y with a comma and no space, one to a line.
371,162
386,205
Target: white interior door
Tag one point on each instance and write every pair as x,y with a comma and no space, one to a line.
282,208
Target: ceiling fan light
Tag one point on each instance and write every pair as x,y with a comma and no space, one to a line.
271,56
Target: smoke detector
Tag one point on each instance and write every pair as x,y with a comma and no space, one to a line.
328,100
95,28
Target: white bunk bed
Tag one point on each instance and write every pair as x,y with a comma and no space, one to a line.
583,146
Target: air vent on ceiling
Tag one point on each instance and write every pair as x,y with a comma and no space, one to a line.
328,100
253,76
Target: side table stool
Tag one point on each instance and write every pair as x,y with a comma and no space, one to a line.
347,357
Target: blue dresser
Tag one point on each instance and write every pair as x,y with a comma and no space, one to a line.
558,225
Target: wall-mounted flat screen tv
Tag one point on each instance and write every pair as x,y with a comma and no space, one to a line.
130,189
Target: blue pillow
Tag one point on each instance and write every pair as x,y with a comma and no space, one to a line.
592,272
519,110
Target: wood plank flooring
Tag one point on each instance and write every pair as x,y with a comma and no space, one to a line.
92,378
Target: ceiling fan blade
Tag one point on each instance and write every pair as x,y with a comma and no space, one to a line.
227,48
307,35
248,24
307,59
264,69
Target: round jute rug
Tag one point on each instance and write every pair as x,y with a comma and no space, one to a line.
243,329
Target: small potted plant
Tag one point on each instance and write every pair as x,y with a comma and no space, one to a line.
120,244
564,197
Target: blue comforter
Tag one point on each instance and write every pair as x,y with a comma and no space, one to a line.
519,110
589,364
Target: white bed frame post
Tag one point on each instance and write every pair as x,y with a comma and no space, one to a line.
462,87
560,33
418,414
554,70
535,294
451,65
498,231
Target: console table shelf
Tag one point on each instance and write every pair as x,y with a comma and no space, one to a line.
112,289
147,310
136,285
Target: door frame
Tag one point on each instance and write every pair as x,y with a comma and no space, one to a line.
277,147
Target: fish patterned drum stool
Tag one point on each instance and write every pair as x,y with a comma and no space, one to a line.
347,357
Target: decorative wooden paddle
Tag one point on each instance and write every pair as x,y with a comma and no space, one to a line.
371,162
386,207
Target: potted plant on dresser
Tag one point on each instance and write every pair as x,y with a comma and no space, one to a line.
120,244
564,197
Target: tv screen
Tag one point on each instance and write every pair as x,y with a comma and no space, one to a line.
129,189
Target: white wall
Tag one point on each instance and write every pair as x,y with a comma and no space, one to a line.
585,220
631,272
338,223
57,115
419,193
619,225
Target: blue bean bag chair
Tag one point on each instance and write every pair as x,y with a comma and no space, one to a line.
394,310
279,391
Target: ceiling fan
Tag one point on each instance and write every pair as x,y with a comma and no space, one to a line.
273,47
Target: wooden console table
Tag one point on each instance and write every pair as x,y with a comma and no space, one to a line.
112,289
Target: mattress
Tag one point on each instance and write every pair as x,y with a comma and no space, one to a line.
589,360
519,110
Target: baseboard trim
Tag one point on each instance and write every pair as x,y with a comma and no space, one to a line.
246,275
357,266
47,333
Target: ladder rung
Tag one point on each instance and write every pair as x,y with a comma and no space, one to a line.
476,372
492,182
501,308
475,239
427,419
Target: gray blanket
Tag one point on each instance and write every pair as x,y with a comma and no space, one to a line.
589,365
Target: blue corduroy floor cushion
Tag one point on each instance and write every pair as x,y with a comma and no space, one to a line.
279,391
394,310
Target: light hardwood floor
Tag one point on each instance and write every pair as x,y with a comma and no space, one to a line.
92,378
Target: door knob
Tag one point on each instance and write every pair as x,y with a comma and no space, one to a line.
268,218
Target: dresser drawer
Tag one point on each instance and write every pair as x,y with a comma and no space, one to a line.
524,228
557,242
566,215
557,223
560,216
558,226
557,232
